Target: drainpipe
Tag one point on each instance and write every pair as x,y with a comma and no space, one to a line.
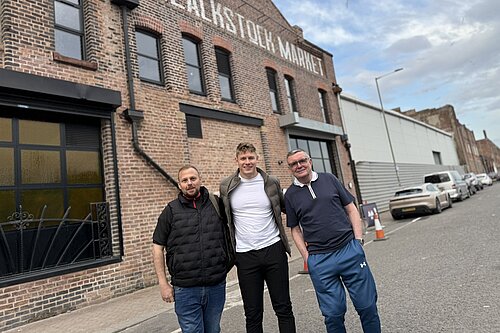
131,114
345,140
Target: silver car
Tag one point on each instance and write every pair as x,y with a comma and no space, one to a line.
421,199
451,182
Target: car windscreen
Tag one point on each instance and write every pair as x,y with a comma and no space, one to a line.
408,192
436,179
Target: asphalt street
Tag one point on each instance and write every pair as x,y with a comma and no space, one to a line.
436,273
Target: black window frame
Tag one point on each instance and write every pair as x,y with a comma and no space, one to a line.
158,58
198,66
273,89
223,59
290,93
323,104
80,33
325,150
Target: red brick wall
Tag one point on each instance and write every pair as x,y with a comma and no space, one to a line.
28,46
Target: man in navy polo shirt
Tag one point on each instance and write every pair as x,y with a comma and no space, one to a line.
327,230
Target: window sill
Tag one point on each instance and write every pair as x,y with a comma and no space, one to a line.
74,62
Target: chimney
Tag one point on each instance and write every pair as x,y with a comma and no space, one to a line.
485,136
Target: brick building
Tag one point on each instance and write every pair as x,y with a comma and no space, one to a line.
446,119
490,154
101,101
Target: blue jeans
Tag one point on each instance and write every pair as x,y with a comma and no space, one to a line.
199,309
348,267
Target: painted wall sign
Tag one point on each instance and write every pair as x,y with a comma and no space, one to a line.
235,23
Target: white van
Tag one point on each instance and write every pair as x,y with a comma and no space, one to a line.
451,182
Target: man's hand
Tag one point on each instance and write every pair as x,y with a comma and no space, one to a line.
167,293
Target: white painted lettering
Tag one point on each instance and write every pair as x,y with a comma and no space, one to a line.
300,54
284,50
228,13
192,6
174,2
269,41
259,36
202,8
307,58
252,32
242,27
216,14
320,65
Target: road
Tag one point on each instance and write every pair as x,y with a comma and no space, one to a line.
438,273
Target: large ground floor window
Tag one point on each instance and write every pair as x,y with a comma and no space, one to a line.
52,200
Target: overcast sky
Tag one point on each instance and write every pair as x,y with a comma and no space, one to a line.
449,49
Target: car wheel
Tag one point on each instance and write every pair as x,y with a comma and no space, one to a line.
450,204
461,196
396,216
438,208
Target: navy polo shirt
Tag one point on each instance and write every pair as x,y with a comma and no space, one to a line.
324,221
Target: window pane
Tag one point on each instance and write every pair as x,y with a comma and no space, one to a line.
39,133
79,200
274,101
225,87
194,79
69,45
8,206
40,167
318,164
293,144
328,166
315,150
6,129
76,2
147,45
34,200
67,16
149,69
190,52
83,167
6,167
302,144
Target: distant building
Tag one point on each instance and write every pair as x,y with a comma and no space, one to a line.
418,149
101,102
490,154
446,119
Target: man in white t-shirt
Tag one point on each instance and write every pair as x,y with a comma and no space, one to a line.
253,202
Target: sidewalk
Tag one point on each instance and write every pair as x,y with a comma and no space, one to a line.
120,313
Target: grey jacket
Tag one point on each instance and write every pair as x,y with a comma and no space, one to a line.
274,193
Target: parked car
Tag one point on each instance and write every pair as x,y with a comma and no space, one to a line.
485,179
493,175
472,182
421,199
451,182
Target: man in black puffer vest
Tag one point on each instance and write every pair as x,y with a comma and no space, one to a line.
198,255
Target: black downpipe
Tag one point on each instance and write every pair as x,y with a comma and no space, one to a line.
133,115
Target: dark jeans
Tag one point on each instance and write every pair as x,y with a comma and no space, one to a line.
269,264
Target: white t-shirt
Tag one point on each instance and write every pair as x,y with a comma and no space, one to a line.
253,215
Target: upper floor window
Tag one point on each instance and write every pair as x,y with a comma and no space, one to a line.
194,68
323,105
224,69
148,56
273,89
69,28
289,86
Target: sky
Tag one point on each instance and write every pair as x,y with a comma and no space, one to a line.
449,51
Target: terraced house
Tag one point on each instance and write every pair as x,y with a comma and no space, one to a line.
101,102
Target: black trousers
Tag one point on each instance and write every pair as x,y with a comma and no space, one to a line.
269,264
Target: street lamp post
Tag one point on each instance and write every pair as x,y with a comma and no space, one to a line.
385,122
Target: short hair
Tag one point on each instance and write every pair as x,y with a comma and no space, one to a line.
185,167
295,151
245,147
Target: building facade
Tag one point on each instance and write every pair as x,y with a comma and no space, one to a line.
102,101
490,154
385,162
446,119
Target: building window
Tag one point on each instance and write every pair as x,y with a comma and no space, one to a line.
323,106
193,126
273,89
51,187
148,56
225,79
194,68
437,158
317,150
69,28
290,96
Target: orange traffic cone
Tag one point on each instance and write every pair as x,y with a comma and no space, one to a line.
305,270
379,232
